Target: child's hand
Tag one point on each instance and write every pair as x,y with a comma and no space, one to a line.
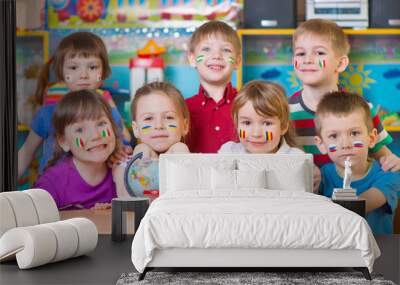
179,147
316,179
390,162
101,206
148,152
119,156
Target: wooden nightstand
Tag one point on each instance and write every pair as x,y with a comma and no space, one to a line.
356,205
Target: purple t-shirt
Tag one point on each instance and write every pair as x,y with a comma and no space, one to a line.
69,190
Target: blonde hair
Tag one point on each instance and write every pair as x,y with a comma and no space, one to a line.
77,106
342,104
326,29
166,89
77,44
216,28
269,100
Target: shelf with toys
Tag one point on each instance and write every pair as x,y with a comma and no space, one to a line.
373,72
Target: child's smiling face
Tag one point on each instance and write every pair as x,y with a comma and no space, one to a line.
215,59
258,134
315,61
346,136
89,140
81,72
158,123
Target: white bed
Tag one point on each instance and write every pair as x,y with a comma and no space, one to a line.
247,211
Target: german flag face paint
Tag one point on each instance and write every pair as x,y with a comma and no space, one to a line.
242,134
321,63
332,147
268,136
146,129
105,133
358,144
200,58
79,143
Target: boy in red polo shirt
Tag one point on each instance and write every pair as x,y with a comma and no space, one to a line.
214,50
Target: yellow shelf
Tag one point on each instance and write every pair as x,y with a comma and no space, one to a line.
392,128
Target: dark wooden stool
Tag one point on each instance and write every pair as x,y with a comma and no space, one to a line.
356,205
139,205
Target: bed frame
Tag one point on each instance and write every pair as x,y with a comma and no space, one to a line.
242,259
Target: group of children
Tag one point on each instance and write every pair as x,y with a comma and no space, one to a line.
321,118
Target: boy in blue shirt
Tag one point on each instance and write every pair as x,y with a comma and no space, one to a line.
344,129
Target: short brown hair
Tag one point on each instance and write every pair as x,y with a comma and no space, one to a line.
327,29
166,89
215,28
342,104
269,100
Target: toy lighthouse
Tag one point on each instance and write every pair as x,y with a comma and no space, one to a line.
146,67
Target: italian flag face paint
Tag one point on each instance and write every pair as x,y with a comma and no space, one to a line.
200,58
268,136
332,147
105,133
172,127
79,143
242,134
321,63
358,144
146,129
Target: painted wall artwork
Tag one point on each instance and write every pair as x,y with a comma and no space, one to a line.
139,13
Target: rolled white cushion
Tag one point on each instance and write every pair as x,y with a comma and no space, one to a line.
7,218
40,244
23,208
46,207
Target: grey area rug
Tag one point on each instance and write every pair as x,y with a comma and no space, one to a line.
231,278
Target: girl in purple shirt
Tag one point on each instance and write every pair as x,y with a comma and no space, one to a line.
78,175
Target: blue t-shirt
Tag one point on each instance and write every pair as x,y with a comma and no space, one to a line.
381,219
42,126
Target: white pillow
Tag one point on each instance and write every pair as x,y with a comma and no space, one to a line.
183,177
235,179
251,178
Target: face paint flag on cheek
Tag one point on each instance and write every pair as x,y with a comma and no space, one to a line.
332,147
199,58
68,78
79,143
231,60
358,144
321,63
242,134
98,78
268,136
172,127
296,64
146,129
105,133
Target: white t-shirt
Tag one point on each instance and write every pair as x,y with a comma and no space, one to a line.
234,147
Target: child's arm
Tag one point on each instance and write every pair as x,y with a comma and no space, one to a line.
388,160
179,147
316,179
374,199
118,177
27,151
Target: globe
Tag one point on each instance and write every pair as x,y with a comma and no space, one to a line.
143,175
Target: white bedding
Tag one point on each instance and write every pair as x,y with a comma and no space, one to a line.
251,218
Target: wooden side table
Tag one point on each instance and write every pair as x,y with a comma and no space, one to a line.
120,206
356,205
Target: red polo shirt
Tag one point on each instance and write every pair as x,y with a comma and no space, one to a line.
211,123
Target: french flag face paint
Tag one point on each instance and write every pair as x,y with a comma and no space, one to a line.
79,143
358,144
105,133
268,136
242,134
332,147
146,129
